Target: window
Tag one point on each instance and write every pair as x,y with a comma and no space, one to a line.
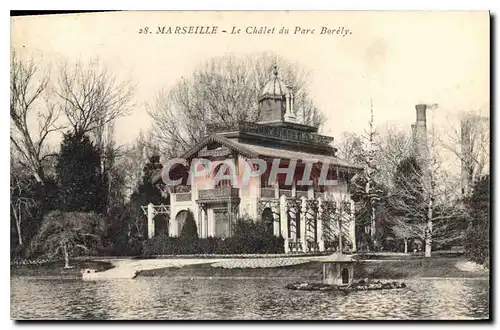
268,220
222,229
225,182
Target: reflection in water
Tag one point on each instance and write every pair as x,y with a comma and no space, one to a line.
170,298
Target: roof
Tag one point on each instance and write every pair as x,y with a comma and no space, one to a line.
274,87
290,154
252,150
256,151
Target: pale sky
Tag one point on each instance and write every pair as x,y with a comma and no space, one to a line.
397,59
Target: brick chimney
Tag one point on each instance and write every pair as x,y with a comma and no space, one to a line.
420,134
413,139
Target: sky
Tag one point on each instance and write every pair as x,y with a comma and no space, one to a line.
392,59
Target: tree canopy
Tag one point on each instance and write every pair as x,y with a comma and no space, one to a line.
222,90
68,233
478,230
80,183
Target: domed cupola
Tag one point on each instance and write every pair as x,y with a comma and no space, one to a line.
274,88
275,100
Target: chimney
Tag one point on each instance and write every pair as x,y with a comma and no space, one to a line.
287,108
420,144
290,112
413,139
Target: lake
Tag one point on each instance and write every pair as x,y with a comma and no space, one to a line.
218,298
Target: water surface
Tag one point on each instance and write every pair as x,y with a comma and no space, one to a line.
175,298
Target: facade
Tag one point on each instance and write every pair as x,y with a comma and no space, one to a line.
308,216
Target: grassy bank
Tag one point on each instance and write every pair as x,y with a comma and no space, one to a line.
310,270
374,269
421,267
56,268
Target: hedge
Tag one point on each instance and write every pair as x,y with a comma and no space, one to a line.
249,237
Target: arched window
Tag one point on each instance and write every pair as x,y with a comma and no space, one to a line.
222,182
268,220
345,276
180,218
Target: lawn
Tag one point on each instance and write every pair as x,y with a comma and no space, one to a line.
56,268
375,269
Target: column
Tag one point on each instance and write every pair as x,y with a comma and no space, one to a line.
310,192
171,220
319,225
151,223
339,214
199,221
229,215
353,226
287,105
284,222
211,222
205,221
303,221
294,188
276,219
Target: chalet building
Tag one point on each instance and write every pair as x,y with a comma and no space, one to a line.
308,216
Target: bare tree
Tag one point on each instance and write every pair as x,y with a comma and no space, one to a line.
405,230
22,201
350,148
470,143
222,90
131,163
92,97
29,101
394,145
423,205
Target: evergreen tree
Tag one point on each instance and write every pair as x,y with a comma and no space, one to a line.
366,190
478,235
189,230
80,183
148,192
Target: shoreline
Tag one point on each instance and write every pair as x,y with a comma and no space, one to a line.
306,268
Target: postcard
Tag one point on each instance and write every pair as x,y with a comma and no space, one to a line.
250,165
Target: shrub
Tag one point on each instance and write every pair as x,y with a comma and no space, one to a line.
156,245
189,230
188,238
249,237
253,237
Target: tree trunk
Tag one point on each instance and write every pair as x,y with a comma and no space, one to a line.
428,239
17,216
366,238
373,230
19,236
406,245
428,231
66,257
340,234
